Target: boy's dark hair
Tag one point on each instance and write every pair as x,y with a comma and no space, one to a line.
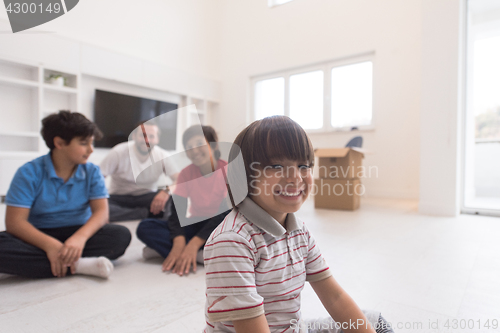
266,140
208,132
67,125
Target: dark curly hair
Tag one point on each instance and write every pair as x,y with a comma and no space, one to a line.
67,125
208,132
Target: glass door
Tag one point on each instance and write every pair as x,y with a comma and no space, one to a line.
481,190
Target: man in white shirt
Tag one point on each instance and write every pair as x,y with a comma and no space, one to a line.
132,195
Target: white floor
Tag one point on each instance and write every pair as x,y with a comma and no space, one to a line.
416,269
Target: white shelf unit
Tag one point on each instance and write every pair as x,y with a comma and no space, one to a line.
55,98
19,97
204,108
27,97
17,82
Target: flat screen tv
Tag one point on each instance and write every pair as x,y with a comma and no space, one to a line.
117,115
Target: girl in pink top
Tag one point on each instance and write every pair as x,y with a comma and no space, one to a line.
206,190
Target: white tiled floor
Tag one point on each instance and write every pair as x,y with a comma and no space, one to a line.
416,269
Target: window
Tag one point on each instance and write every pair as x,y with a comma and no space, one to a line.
351,95
270,97
306,99
481,130
331,96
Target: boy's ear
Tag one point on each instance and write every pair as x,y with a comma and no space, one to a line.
59,142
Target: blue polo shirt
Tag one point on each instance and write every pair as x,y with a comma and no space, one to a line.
53,203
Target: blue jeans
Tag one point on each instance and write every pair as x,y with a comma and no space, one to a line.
156,235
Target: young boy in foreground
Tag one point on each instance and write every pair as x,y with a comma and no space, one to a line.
258,259
57,208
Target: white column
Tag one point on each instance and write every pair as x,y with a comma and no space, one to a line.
441,113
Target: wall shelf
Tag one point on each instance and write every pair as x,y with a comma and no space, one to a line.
20,133
15,154
18,82
60,89
70,79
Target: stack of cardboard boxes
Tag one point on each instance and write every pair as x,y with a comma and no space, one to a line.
339,186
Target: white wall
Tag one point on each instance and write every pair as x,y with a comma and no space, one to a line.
258,40
440,118
171,45
416,43
177,33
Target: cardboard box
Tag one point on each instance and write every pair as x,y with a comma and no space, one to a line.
340,163
337,193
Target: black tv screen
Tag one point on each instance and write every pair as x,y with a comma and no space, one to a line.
117,115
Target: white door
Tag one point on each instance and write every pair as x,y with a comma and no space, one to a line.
481,193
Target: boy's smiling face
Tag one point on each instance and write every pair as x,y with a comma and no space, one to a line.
79,149
282,187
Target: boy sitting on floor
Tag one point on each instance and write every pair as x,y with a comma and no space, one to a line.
57,208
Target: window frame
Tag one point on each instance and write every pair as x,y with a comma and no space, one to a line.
326,67
470,34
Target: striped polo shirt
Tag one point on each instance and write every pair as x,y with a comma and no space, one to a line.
253,266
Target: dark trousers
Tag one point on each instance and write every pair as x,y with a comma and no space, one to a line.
20,258
156,234
131,207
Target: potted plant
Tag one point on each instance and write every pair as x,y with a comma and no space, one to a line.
57,80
